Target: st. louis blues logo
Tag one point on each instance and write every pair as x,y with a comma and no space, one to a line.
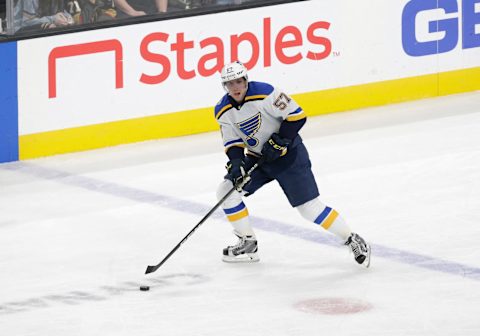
249,127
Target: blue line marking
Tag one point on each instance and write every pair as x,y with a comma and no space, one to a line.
316,236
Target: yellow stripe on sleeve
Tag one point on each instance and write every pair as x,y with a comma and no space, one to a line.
296,117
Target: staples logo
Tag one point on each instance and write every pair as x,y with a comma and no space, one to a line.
84,49
440,21
180,47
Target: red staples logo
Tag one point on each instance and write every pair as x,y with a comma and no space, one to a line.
262,43
287,45
84,49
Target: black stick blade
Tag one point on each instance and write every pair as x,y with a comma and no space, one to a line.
151,269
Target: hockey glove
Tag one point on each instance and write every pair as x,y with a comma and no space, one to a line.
238,174
274,147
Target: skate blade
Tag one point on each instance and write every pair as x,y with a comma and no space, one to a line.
366,262
242,258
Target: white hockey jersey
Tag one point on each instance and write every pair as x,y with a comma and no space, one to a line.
252,123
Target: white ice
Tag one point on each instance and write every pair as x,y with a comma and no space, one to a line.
77,232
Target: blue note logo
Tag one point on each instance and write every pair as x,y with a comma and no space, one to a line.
249,127
434,26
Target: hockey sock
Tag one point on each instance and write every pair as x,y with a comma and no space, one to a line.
238,217
235,210
328,218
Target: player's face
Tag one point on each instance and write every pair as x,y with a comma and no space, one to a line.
237,88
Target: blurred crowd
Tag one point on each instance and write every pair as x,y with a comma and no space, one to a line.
37,15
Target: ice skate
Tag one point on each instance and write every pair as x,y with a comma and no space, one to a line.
244,251
361,250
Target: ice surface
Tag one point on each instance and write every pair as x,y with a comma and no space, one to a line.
77,232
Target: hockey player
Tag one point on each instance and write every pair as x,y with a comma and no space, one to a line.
260,123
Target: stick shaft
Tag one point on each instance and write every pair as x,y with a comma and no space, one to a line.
151,269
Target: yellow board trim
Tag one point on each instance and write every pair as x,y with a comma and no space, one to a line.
201,120
116,133
389,92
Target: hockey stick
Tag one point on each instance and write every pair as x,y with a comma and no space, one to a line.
151,269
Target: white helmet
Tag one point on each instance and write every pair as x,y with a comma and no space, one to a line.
233,71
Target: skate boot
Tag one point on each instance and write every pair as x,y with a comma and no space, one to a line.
244,251
361,250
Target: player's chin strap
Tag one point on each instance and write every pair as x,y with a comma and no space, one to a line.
151,269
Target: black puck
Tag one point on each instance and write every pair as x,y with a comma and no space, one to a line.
144,288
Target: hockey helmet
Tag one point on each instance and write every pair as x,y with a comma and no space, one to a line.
233,71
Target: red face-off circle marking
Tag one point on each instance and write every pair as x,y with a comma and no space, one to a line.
333,306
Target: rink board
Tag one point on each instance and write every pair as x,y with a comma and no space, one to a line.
154,80
198,121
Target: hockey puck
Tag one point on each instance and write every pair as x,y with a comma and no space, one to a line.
144,288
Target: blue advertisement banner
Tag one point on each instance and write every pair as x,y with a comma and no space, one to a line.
8,102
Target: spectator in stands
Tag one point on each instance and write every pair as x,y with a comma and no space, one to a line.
91,11
3,13
129,8
40,15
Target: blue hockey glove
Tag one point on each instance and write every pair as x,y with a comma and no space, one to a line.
274,147
238,174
